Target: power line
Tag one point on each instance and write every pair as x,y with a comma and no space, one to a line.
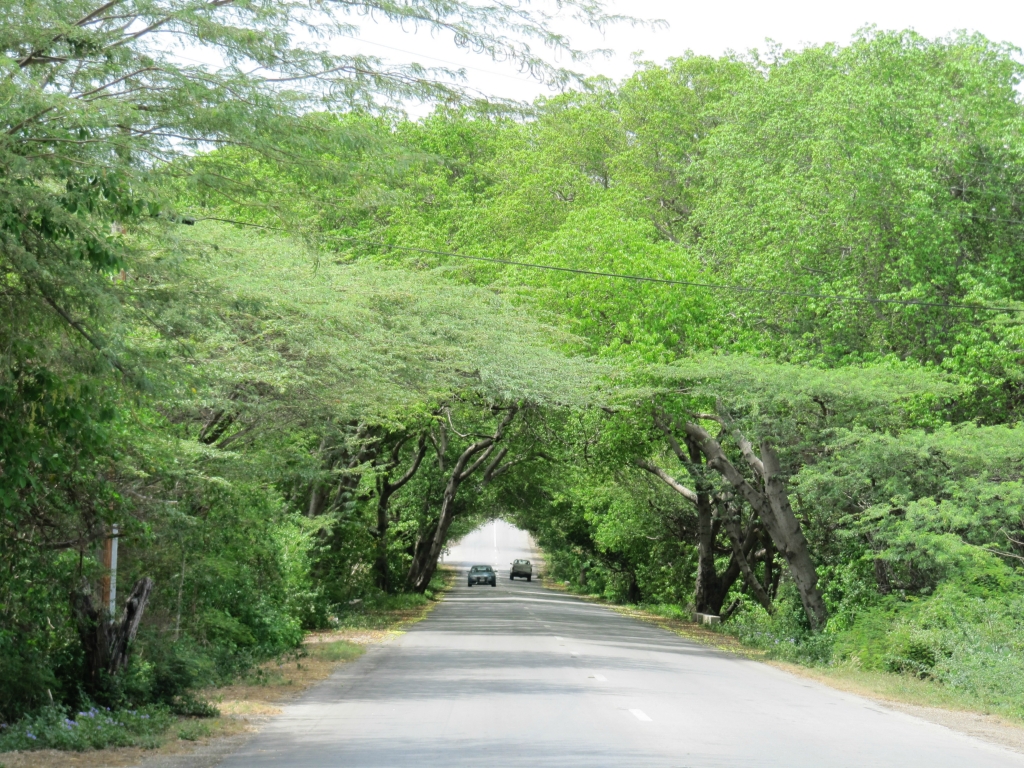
684,283
636,278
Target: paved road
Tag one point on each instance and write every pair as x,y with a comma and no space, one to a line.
519,676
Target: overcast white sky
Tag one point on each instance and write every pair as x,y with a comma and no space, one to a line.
709,28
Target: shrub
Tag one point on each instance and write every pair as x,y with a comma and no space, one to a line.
783,634
188,705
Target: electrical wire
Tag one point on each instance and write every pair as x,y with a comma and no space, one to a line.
683,283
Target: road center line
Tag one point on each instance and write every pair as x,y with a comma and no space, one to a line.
566,603
639,715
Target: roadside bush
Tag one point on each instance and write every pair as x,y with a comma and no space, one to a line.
961,637
377,609
57,727
784,634
189,705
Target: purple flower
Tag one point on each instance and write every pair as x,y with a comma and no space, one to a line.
31,736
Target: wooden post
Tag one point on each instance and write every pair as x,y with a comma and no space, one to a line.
108,551
108,584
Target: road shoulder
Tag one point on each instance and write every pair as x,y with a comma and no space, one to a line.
905,695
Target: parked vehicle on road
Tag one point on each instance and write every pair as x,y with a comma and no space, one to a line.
522,569
482,574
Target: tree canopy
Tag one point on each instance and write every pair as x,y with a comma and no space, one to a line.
737,336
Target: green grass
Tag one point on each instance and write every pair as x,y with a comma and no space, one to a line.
193,730
340,650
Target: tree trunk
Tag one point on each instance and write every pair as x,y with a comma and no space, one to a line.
794,544
773,508
732,527
419,552
710,589
708,595
107,642
771,576
425,564
381,567
385,490
429,554
632,588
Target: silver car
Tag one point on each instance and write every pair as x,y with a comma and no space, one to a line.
482,574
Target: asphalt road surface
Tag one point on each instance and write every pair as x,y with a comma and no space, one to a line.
519,677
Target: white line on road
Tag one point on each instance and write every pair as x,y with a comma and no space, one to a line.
600,678
566,603
639,715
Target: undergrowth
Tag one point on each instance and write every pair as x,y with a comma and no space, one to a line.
57,727
384,611
967,638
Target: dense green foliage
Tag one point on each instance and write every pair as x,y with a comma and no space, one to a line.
228,400
858,204
236,322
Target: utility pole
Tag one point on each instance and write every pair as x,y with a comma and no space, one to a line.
108,584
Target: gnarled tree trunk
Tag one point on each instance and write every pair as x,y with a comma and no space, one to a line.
106,642
793,543
385,490
772,506
711,587
425,562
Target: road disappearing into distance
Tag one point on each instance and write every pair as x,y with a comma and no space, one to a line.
521,676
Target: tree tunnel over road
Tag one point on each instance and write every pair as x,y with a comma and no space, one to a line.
520,675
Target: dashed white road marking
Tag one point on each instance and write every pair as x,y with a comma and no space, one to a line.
639,715
566,603
560,639
600,678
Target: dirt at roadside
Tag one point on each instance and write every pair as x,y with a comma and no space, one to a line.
990,728
284,680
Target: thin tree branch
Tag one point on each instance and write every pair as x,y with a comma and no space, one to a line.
670,481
